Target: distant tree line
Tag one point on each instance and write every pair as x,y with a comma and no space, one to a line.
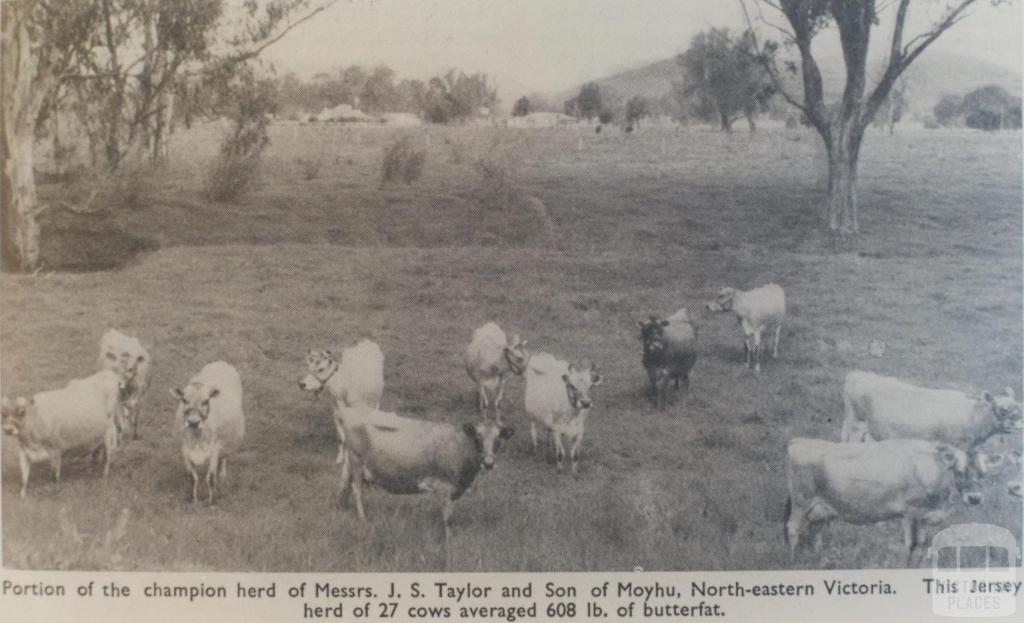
451,97
989,107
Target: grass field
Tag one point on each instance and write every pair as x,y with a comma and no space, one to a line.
642,223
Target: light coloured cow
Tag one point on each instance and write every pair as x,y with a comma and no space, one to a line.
405,455
81,415
558,400
126,356
211,422
760,311
880,407
908,479
669,353
490,356
356,379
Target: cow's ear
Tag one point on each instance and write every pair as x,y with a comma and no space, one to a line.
946,457
565,378
595,379
987,397
469,429
214,392
177,393
994,460
663,323
639,324
506,432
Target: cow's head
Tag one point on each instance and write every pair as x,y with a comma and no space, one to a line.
124,358
652,334
12,414
1005,409
956,460
195,403
723,300
516,355
578,382
487,437
321,366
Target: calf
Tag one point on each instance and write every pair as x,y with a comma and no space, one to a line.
880,407
357,379
669,352
489,357
80,415
558,400
760,310
211,423
404,455
126,356
907,479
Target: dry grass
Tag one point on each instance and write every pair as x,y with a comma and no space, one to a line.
647,223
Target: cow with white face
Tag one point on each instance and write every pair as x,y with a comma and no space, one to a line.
558,400
127,357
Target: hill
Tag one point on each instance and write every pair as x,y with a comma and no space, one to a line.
934,74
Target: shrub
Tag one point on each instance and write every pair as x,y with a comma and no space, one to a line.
310,169
236,168
402,162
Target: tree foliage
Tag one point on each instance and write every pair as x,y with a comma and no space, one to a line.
722,79
636,109
522,107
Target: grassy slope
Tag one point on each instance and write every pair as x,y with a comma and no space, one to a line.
649,222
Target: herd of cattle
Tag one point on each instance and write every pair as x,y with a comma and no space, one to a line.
925,443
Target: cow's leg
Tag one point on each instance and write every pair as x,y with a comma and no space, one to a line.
909,537
356,484
665,379
559,448
794,521
341,439
109,444
210,483
135,418
55,458
652,377
575,450
756,348
533,435
501,395
195,484
26,469
223,475
775,346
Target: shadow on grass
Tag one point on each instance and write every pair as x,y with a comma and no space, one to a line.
89,242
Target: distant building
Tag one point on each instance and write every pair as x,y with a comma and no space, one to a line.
542,120
401,119
342,113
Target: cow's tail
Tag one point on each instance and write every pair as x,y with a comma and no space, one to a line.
785,519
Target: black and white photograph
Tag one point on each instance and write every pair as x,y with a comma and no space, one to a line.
545,286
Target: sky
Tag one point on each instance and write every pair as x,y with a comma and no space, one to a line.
549,46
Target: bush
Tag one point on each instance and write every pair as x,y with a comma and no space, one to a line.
310,169
402,162
236,169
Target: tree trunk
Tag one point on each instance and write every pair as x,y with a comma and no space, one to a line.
726,122
24,89
841,203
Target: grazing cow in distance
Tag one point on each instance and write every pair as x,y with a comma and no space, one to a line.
881,407
357,379
907,479
126,356
405,455
82,414
760,311
558,400
490,356
669,352
211,423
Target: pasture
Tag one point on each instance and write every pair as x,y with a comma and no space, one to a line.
321,255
